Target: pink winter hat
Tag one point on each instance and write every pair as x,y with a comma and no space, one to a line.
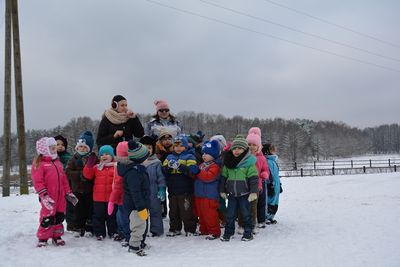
122,149
43,144
161,104
254,137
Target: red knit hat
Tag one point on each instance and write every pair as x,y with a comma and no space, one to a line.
161,104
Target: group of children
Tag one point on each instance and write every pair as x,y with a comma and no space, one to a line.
119,193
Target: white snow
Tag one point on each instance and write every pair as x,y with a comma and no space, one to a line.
322,221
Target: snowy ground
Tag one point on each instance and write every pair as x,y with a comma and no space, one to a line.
322,221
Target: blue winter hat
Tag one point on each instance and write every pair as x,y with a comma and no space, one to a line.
181,139
86,139
211,148
106,149
137,152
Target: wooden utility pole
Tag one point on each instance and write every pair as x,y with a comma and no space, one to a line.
19,100
7,103
12,15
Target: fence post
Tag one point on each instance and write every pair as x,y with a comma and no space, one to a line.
389,162
295,165
301,172
351,164
395,168
315,165
333,164
364,169
333,170
370,163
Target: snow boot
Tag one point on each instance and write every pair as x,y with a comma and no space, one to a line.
58,241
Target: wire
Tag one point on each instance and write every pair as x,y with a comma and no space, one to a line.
334,24
272,36
300,31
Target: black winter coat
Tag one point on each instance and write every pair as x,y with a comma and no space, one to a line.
105,135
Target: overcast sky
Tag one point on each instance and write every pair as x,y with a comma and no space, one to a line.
77,54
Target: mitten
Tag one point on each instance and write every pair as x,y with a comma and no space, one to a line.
72,198
143,214
161,193
194,169
223,195
173,164
91,160
270,190
110,208
47,202
252,197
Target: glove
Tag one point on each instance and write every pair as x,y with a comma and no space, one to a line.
161,193
223,195
143,214
252,197
72,198
270,190
110,208
194,169
91,160
47,202
173,164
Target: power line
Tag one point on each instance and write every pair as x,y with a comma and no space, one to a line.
334,24
299,31
272,36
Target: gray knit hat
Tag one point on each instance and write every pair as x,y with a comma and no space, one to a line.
239,142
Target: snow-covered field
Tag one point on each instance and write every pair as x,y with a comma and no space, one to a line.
322,221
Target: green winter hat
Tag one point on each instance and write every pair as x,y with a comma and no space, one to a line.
239,142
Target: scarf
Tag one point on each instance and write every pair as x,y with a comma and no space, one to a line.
101,165
116,117
230,161
150,160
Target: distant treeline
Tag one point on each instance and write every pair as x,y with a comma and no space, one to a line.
296,140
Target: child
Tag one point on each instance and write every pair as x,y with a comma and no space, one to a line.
258,206
206,190
65,156
103,175
157,186
274,185
136,195
239,184
180,188
52,187
81,187
117,195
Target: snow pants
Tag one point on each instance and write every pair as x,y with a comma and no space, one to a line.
207,210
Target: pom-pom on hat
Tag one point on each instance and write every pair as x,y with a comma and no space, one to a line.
86,139
254,137
122,149
211,148
239,142
62,139
137,152
43,144
106,149
161,104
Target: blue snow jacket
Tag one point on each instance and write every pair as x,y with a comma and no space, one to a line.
274,173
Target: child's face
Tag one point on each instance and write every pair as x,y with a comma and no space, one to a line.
105,158
237,151
253,148
60,146
150,148
166,141
82,149
179,148
207,157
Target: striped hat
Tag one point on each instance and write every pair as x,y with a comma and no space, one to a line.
137,152
239,142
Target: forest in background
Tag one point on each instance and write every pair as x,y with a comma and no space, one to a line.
296,139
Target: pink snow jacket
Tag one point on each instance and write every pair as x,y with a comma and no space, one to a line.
50,178
262,169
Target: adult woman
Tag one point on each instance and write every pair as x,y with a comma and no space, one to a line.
118,124
163,119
